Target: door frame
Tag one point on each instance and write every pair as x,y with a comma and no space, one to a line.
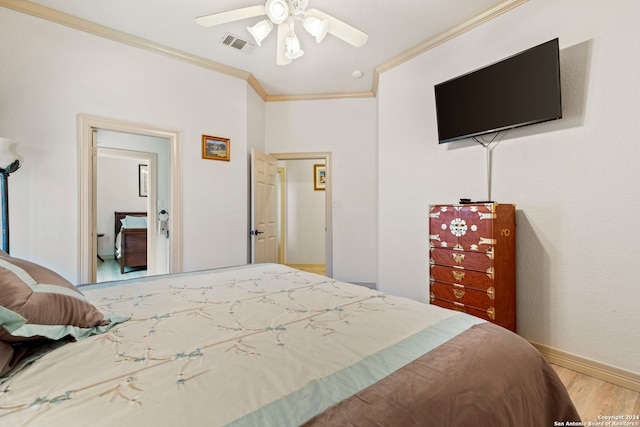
282,219
87,239
328,207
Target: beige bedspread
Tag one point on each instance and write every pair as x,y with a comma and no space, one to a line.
267,345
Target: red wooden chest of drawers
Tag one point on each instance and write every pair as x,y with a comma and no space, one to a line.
472,251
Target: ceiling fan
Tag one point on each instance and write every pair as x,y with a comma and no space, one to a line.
284,13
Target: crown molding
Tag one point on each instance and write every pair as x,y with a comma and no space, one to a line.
319,96
71,21
480,18
257,87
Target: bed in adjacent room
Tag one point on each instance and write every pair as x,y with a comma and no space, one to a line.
268,345
130,239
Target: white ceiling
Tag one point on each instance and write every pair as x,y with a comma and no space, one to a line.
393,26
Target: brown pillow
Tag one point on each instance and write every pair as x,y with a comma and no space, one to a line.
35,302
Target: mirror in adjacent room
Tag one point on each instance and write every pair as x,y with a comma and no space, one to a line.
132,182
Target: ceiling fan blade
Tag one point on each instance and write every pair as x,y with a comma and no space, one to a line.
230,16
281,59
341,29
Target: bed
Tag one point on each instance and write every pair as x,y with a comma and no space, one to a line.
130,239
268,345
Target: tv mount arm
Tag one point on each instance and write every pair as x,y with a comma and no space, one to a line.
487,151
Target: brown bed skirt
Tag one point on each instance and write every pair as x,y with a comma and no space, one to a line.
486,376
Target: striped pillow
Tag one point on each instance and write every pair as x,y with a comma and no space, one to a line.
37,304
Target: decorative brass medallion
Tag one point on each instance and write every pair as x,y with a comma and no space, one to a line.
458,227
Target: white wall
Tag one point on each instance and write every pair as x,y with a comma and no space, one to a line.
347,129
574,181
50,73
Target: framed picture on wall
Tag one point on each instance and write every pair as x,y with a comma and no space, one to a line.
319,177
215,148
143,180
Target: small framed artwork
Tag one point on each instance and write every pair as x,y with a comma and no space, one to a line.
143,180
319,177
214,148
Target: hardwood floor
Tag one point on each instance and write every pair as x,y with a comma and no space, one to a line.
596,398
311,268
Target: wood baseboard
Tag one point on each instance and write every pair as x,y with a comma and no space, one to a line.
617,376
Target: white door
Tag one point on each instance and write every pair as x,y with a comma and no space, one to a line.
264,175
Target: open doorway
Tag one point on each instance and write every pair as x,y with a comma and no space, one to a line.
88,233
301,214
127,181
321,238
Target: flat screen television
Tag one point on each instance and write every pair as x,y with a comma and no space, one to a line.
520,90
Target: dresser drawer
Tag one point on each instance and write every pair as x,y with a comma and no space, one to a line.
489,314
480,261
469,278
466,296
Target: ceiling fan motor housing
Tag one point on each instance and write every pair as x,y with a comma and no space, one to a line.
277,10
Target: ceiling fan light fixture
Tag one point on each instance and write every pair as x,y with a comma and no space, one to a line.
283,14
292,46
260,31
316,27
277,10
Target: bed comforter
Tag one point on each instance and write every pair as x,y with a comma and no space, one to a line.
266,345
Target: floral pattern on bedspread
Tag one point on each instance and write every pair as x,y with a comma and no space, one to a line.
208,348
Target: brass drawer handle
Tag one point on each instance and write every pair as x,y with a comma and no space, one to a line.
458,275
458,293
492,313
458,257
487,241
491,292
459,307
491,273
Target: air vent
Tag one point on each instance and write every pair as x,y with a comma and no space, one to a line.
236,42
